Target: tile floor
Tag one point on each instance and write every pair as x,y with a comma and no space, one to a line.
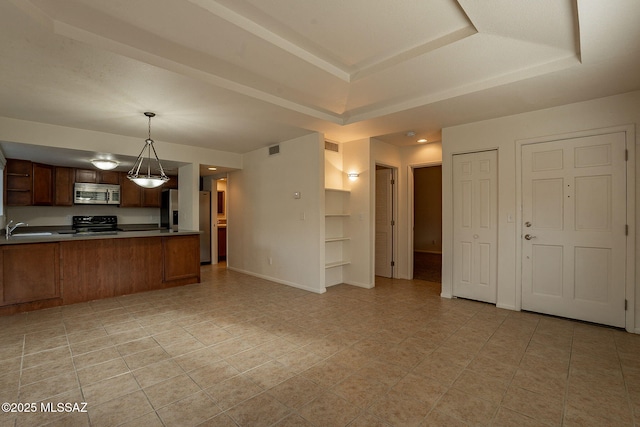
236,350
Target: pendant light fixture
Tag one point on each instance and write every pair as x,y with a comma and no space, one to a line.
147,180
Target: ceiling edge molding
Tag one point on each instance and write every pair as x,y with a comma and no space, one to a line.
120,48
359,115
257,30
453,37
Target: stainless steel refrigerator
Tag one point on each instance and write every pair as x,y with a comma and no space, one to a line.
205,227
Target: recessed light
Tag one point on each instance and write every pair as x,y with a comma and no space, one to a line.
422,140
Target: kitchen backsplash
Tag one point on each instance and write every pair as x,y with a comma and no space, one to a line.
57,215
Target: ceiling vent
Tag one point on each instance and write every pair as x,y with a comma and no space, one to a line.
331,146
274,149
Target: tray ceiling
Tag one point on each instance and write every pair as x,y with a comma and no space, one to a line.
236,75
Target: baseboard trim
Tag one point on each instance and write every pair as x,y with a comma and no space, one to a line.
507,307
361,285
276,280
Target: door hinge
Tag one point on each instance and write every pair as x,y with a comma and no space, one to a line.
393,263
626,155
393,223
625,305
626,229
393,181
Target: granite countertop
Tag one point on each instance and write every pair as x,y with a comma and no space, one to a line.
51,234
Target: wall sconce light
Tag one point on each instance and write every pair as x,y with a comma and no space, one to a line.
104,164
353,176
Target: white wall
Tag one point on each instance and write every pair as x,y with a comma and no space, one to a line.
502,134
265,222
357,158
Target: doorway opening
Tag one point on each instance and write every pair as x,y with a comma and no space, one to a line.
427,223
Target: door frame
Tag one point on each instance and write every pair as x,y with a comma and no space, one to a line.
630,141
394,213
411,217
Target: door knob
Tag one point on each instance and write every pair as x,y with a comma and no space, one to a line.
527,224
529,237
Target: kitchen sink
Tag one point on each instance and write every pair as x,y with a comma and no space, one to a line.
34,234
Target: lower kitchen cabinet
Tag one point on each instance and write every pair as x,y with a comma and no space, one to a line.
29,273
103,268
41,275
181,259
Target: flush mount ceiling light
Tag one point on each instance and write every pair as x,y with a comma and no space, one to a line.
422,141
104,164
147,180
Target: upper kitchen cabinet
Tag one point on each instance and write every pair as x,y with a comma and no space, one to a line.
42,185
97,177
132,195
19,182
63,179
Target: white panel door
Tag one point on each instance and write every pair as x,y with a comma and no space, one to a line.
384,228
573,232
475,205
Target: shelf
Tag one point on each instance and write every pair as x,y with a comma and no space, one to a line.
344,215
336,264
337,190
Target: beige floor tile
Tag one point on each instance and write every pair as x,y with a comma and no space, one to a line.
48,387
399,409
232,391
220,420
145,358
46,356
295,392
543,408
329,409
261,410
197,359
95,357
157,372
248,359
380,350
150,419
213,373
120,410
508,418
102,371
269,374
109,389
466,407
171,390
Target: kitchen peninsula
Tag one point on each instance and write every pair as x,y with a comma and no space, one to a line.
42,271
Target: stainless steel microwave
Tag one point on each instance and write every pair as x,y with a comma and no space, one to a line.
96,194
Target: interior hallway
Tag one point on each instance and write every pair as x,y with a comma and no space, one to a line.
236,350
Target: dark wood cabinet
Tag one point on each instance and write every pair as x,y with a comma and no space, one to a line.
63,179
181,258
133,196
151,197
109,177
130,193
20,281
42,194
18,182
86,175
97,176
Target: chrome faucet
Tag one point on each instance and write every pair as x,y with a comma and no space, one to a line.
10,228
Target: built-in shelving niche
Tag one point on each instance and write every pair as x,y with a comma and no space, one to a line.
337,240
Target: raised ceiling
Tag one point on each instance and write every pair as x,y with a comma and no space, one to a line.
236,75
